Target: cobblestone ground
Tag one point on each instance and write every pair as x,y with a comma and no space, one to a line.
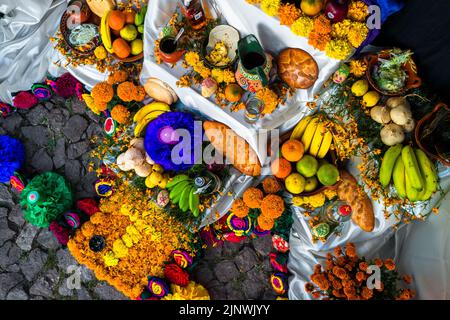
34,266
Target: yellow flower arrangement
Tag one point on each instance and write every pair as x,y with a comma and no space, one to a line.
159,234
338,49
193,291
302,26
193,60
358,11
357,34
358,68
269,98
270,7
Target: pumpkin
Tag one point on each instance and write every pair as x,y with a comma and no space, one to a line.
311,7
100,7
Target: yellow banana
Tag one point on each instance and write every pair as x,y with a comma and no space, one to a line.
387,164
105,32
300,128
140,127
317,139
325,146
309,133
429,174
412,169
411,192
399,177
154,106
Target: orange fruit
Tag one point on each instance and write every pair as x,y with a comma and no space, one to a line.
121,48
281,168
129,17
233,92
116,20
292,150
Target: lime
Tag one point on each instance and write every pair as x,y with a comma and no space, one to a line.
137,46
328,174
307,166
311,184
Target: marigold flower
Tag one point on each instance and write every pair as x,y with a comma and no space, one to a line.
264,222
117,77
271,185
338,49
239,208
309,287
126,91
272,206
302,26
318,40
102,92
322,25
341,29
389,264
337,284
350,292
360,276
358,69
320,281
316,295
337,251
269,98
270,7
120,114
363,266
253,197
358,11
350,250
140,94
87,229
378,262
406,294
357,34
366,293
407,279
288,13
339,272
317,268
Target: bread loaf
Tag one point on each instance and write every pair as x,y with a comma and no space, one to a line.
160,91
297,68
362,210
237,151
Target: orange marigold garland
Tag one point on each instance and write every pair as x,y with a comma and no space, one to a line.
345,278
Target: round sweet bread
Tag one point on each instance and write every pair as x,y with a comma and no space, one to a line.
297,68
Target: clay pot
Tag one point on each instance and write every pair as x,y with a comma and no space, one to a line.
169,54
413,80
418,134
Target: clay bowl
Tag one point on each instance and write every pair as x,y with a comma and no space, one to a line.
331,157
418,134
413,80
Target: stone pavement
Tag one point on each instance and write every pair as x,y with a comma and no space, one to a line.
56,136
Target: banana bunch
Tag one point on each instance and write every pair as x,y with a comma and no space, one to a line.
157,178
413,173
183,192
314,135
105,32
147,114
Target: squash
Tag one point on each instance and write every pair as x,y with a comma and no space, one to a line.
311,7
99,7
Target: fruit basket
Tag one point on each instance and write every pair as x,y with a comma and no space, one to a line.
412,80
292,148
421,125
122,34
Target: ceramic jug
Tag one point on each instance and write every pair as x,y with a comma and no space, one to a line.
254,65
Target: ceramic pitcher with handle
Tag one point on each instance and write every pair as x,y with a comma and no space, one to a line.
253,71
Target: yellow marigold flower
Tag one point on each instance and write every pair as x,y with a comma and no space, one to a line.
338,49
228,76
270,7
100,53
341,29
120,249
269,98
358,68
288,13
218,75
193,291
358,11
192,58
102,92
120,114
302,26
357,34
184,81
110,259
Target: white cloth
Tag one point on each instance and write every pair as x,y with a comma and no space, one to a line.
25,49
247,19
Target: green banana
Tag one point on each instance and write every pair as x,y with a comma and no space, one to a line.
429,174
184,200
194,200
140,16
177,179
399,177
196,212
387,165
175,193
412,169
412,193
